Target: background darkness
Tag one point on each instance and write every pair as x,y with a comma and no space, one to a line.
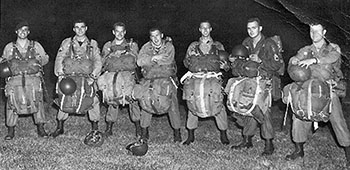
51,21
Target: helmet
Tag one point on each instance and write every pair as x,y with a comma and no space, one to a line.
138,148
240,50
250,68
67,85
5,70
94,138
298,73
223,55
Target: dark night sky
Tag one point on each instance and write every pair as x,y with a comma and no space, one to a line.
51,21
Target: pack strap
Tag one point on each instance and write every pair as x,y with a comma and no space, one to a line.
200,75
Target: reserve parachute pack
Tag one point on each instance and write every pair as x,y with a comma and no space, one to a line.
155,95
203,93
244,94
116,87
76,63
309,100
24,64
124,62
24,94
205,62
80,101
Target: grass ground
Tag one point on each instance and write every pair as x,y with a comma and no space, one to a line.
27,151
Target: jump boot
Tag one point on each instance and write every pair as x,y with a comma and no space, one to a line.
177,135
298,152
269,148
245,143
10,133
59,130
347,155
190,137
94,126
138,129
223,137
144,134
109,127
41,130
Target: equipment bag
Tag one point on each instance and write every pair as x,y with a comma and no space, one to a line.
26,64
203,95
155,96
116,87
309,100
24,94
80,101
246,93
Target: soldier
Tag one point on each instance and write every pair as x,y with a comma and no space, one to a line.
262,51
157,92
79,59
324,59
119,58
24,88
202,88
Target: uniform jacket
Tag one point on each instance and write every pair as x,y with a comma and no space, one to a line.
148,51
271,61
64,52
41,55
204,47
329,60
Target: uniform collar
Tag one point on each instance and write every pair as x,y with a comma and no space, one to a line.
206,40
114,42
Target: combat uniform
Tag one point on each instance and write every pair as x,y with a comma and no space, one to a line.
12,50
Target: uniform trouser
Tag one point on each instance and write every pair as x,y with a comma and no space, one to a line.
221,120
94,113
174,114
250,124
12,117
301,129
134,111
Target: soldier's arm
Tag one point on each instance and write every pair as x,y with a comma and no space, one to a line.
144,59
331,57
61,54
301,55
97,59
191,50
7,53
105,51
41,54
219,46
134,49
169,56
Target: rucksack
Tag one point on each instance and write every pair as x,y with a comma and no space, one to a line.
309,100
124,62
116,87
203,95
80,101
205,62
24,94
245,93
155,96
78,64
26,64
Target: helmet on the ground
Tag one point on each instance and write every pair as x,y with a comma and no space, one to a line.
138,148
5,70
250,68
67,85
240,51
94,138
298,73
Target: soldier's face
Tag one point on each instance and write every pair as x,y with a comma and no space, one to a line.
205,29
156,37
23,32
119,32
80,29
317,33
253,29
